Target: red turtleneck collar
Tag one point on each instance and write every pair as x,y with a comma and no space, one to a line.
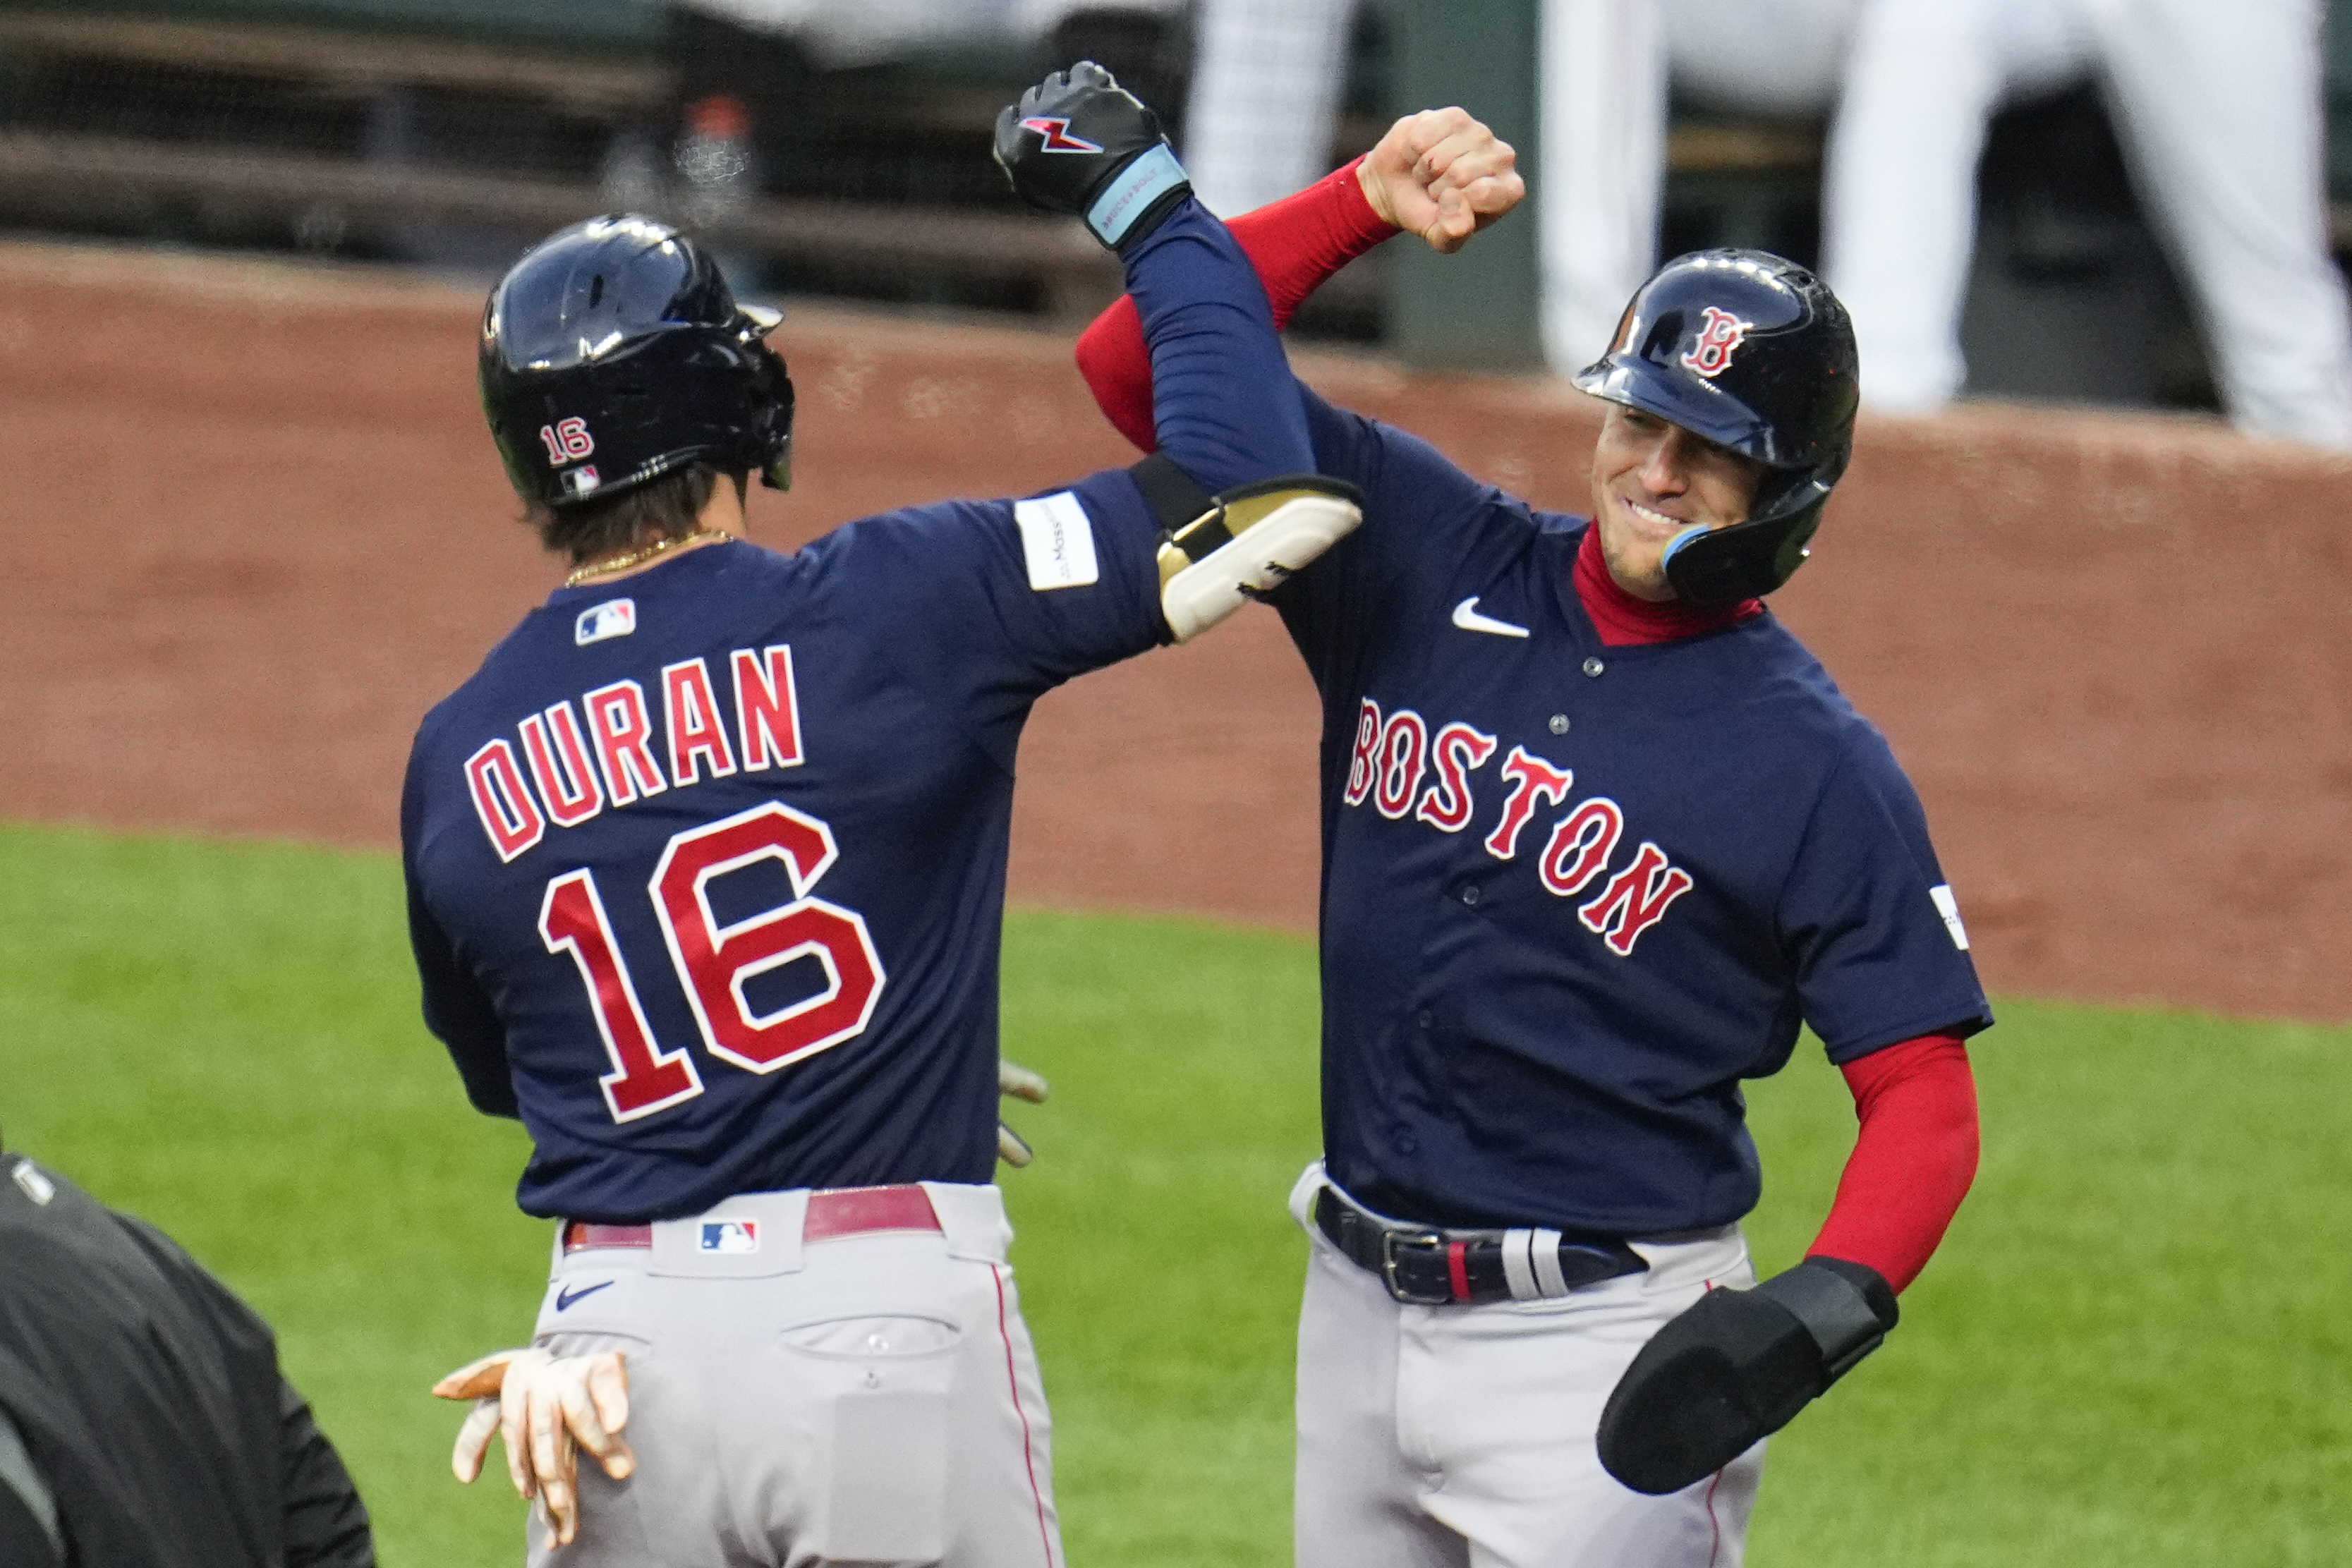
1624,620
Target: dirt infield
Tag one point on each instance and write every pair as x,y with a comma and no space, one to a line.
259,531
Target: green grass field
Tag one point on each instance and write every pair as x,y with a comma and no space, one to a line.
2133,1349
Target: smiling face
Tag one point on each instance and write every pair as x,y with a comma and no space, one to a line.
1651,480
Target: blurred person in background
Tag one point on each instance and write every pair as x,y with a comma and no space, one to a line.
1606,69
1267,77
746,76
1267,81
143,1421
747,70
2218,110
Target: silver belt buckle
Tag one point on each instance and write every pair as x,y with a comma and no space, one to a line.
1390,1241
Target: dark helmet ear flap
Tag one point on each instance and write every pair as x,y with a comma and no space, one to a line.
768,440
773,438
1715,567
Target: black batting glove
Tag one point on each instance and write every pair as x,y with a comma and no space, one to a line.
1079,143
1736,1368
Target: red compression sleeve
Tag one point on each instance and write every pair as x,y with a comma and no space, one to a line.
1913,1157
1295,243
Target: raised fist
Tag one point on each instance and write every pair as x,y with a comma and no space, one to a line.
1441,175
1078,142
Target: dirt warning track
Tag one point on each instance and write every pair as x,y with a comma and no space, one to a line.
256,530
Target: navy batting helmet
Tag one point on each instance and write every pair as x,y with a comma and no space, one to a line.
1753,352
614,352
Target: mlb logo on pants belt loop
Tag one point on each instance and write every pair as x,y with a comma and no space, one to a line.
729,1235
751,1236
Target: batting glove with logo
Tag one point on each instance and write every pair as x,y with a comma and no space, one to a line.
1079,143
1736,1368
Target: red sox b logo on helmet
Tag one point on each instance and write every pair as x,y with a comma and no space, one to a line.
1055,129
1719,333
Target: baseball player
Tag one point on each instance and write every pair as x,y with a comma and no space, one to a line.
1599,836
706,867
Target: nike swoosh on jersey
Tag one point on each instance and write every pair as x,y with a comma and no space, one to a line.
567,1296
1467,616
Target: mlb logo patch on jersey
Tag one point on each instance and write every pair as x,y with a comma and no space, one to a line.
1058,539
1949,908
729,1235
614,618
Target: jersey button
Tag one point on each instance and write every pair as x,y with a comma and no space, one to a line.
1559,724
1406,1142
1423,1020
1593,666
1470,895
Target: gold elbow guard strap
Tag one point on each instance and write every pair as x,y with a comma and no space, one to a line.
1217,551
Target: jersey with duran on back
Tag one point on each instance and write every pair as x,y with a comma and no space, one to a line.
728,839
1573,894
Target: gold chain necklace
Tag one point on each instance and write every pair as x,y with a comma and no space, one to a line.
639,557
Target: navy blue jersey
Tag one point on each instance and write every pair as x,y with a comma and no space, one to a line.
705,865
1574,893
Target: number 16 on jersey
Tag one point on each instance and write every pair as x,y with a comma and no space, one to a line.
714,962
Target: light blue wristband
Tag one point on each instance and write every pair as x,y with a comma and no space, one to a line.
1132,194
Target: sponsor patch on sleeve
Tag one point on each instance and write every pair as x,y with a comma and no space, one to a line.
1949,908
614,618
1058,540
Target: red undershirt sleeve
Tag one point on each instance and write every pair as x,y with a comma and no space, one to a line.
1914,1156
1295,243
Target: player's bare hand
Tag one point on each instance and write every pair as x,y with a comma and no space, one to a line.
546,1408
1443,175
1020,1082
1016,1082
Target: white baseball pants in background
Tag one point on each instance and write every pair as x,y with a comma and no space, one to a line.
1266,76
2218,111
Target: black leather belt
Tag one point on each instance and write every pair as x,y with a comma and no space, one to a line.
1430,1267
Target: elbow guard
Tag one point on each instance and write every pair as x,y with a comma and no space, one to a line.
1217,551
